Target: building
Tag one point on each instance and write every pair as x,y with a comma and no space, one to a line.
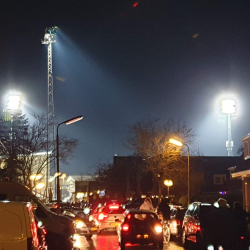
243,173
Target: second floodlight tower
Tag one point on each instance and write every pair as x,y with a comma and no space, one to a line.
228,107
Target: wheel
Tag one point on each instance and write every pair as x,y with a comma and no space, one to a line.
122,245
160,245
184,241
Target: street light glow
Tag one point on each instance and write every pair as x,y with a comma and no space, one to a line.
40,185
228,106
168,183
175,142
36,177
76,119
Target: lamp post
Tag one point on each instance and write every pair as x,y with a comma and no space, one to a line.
168,183
68,122
228,107
178,143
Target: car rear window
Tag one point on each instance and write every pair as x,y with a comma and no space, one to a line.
106,209
142,217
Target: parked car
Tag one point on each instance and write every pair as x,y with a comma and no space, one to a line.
195,223
140,227
106,219
18,227
60,229
176,220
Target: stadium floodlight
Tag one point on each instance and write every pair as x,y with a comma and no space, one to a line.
13,102
228,106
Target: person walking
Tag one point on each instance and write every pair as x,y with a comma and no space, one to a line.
223,230
147,204
163,210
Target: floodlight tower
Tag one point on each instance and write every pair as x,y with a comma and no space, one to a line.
49,39
228,107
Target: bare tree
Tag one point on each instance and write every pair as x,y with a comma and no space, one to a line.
22,152
151,141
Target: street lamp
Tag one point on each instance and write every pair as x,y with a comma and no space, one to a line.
68,122
168,183
180,144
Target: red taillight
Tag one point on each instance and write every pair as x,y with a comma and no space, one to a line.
56,206
198,228
44,231
242,237
129,216
102,216
114,207
125,227
178,222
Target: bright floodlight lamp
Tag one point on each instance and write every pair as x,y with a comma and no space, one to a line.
180,144
49,36
228,106
68,122
13,102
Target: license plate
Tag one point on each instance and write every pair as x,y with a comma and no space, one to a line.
93,228
115,224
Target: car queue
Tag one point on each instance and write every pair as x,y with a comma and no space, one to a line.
198,226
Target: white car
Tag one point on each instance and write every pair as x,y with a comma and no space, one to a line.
108,217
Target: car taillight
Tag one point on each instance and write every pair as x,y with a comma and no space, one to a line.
125,227
198,227
102,216
158,228
178,222
129,216
114,207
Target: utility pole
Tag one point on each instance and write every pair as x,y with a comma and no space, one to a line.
49,39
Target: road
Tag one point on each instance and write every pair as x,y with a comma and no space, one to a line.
110,242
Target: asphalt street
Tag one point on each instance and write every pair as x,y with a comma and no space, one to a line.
110,242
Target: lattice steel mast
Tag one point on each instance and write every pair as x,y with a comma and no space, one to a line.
49,39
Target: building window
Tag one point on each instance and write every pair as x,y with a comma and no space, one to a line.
219,179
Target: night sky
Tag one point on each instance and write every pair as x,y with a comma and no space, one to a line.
119,62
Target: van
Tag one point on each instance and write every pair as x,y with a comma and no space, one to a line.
60,229
18,227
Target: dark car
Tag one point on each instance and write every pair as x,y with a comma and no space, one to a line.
195,225
176,220
140,227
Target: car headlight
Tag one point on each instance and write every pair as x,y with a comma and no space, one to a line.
158,228
79,224
86,210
